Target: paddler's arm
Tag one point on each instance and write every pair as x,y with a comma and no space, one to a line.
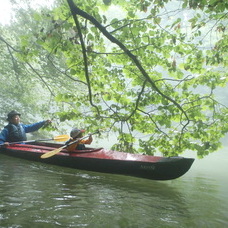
36,126
3,137
87,141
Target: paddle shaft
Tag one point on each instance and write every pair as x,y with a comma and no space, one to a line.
56,151
29,141
80,139
57,138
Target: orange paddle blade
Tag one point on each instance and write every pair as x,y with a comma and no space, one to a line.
52,153
61,138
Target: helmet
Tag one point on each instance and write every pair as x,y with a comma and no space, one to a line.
75,132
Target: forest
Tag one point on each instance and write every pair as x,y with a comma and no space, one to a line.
154,72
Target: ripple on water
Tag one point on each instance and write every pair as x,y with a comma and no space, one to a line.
48,196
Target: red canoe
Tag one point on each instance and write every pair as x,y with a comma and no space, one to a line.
106,161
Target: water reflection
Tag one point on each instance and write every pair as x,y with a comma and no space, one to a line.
50,196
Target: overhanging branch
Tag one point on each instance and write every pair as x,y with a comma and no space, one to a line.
77,11
71,5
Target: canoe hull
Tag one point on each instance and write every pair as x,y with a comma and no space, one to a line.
106,161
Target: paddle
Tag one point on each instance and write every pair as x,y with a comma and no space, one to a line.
59,138
56,151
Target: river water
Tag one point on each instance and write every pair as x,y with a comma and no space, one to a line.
40,195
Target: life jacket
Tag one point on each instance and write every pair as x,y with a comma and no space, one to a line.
80,147
16,133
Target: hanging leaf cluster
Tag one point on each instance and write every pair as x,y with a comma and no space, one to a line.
149,70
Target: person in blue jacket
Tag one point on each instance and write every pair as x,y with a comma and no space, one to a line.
15,131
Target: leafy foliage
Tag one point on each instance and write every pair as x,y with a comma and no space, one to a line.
149,73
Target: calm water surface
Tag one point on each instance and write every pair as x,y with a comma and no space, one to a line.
40,195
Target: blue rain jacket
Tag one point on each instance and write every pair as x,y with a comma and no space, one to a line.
25,128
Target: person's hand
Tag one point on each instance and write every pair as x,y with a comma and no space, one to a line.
6,144
48,121
90,137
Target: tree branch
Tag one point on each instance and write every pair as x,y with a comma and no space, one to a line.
72,6
37,73
8,45
76,10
